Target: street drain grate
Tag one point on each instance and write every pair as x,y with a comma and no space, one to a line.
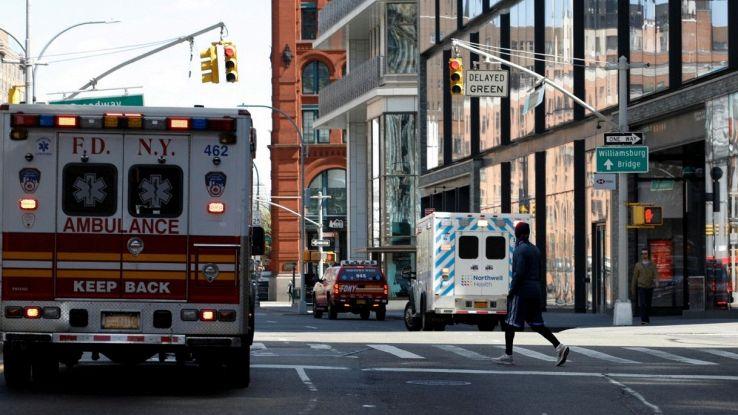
438,382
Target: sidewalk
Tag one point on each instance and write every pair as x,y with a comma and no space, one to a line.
565,320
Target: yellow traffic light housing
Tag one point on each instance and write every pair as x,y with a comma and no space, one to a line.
209,65
456,76
646,215
231,61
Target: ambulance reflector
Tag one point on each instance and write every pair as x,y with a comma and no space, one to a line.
67,121
216,207
28,204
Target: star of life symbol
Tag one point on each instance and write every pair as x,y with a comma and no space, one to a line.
90,189
154,192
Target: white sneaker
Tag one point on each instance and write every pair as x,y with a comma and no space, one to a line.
563,352
505,359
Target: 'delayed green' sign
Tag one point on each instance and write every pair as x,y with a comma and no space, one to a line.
125,100
622,159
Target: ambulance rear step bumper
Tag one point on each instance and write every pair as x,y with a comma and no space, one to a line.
455,311
110,338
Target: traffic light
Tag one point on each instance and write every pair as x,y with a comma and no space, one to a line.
647,216
14,95
456,75
231,61
209,65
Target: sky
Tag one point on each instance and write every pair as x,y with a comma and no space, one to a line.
163,76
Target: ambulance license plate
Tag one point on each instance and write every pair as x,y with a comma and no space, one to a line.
480,304
121,321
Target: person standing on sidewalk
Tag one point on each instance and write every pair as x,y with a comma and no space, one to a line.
524,298
642,284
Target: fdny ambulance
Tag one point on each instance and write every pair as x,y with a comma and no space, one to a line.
464,270
125,232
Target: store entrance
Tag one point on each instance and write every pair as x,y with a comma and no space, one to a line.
676,183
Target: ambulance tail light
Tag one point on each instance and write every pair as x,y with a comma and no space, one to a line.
208,315
67,121
13,312
222,124
32,312
24,120
18,134
386,289
134,121
336,289
112,120
216,208
28,204
178,123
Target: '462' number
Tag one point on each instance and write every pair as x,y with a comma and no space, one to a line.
216,150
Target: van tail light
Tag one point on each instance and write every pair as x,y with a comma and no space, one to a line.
386,289
336,289
216,207
32,312
208,315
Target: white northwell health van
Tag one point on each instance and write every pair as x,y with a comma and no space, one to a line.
464,269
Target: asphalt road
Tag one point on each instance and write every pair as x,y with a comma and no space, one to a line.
301,365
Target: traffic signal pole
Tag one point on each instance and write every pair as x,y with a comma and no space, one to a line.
623,314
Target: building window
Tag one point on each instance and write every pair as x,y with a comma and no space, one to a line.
434,110
559,47
472,9
523,188
375,176
649,43
399,169
310,134
314,77
427,22
308,20
522,36
490,191
560,226
600,46
704,37
332,183
402,38
490,112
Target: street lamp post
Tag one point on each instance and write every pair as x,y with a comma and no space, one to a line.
302,306
40,55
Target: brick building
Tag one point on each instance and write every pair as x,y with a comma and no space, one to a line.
298,74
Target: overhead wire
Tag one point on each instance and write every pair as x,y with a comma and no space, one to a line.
524,54
113,52
158,42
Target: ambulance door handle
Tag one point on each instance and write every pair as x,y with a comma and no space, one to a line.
489,268
475,267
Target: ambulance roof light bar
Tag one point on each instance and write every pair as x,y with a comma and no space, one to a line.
116,120
363,262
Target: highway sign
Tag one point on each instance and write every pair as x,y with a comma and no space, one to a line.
604,181
623,159
320,242
130,100
623,139
486,84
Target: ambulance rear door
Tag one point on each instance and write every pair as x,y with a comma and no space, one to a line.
482,264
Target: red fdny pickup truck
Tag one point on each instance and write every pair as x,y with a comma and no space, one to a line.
358,287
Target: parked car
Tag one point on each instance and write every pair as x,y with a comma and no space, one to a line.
357,287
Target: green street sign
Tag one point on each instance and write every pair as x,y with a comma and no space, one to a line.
622,159
123,100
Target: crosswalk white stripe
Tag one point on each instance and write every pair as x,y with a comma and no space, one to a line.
469,354
258,346
599,355
532,353
402,354
722,353
670,356
320,346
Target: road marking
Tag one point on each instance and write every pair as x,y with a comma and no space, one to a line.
463,352
721,353
655,409
305,379
670,356
402,354
599,355
311,327
258,346
271,321
320,346
306,367
552,373
532,353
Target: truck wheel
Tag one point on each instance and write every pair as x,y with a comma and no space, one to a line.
364,313
316,313
487,324
17,366
238,367
412,322
381,313
332,312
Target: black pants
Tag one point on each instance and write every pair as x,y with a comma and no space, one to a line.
645,298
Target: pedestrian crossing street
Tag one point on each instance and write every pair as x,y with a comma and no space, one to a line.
436,352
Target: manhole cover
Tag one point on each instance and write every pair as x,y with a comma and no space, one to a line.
438,382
